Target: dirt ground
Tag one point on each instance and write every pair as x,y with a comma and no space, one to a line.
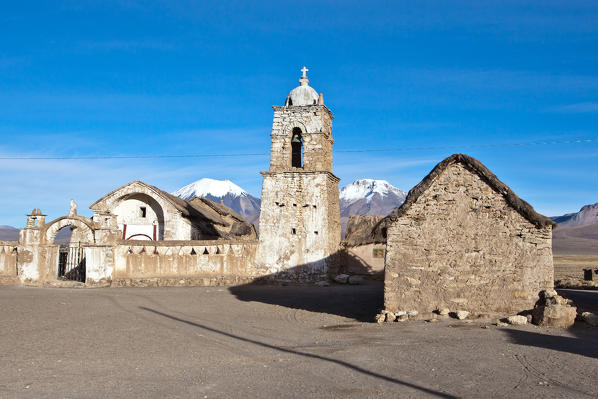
270,342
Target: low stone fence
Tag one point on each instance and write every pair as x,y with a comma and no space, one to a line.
150,263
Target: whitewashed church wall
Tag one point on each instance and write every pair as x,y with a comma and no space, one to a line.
8,258
99,265
140,263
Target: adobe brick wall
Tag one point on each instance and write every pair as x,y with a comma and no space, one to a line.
462,246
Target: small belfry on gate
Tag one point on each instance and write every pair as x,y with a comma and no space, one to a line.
300,217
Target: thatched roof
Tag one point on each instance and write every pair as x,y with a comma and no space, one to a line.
475,166
378,232
360,231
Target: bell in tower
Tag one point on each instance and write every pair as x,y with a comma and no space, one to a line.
300,216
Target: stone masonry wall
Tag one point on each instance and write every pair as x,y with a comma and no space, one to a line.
461,246
299,222
315,122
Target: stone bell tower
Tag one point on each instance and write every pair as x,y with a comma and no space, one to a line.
300,217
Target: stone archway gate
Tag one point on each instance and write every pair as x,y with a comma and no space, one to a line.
41,260
71,261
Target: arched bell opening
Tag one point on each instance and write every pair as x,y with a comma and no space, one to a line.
296,148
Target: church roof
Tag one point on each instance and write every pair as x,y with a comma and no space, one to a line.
197,210
303,94
361,230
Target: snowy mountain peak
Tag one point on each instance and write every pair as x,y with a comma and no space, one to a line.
210,188
367,188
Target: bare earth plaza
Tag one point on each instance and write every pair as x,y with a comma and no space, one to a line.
450,295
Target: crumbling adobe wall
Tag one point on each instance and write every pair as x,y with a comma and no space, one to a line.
183,262
8,261
461,246
366,259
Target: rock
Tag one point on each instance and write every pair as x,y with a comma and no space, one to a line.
355,280
341,278
529,318
461,314
552,310
517,320
322,283
390,317
403,317
380,318
590,318
501,324
443,311
412,313
400,313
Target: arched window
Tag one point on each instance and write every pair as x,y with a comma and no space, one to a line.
297,148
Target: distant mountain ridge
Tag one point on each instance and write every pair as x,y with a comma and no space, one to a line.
369,197
224,191
9,233
362,197
588,214
577,233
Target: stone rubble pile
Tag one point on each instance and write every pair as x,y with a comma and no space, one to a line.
552,310
347,279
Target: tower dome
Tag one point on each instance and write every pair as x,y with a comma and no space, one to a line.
303,94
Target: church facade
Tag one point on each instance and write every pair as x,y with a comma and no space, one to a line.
141,235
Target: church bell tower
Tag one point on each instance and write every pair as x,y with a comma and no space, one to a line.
299,228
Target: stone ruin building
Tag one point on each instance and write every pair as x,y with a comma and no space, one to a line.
141,235
462,239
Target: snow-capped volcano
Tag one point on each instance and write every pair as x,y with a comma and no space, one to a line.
368,188
226,191
215,188
369,197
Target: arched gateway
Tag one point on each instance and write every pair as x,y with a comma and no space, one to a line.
71,264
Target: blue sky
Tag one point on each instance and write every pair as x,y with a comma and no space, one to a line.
165,78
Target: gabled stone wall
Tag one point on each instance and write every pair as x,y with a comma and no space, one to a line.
460,245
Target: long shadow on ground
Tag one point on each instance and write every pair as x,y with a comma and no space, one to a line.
329,360
584,342
360,302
